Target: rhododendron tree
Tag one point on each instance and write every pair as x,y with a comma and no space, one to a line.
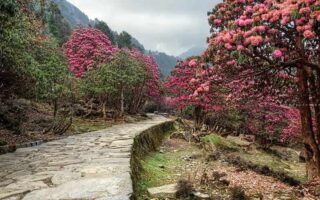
114,82
278,44
153,74
193,83
86,49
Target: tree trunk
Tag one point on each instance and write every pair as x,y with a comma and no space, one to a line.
315,97
104,110
122,102
311,147
198,117
55,108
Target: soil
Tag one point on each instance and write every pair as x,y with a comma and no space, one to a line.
210,172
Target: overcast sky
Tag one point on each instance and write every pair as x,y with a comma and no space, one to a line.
171,26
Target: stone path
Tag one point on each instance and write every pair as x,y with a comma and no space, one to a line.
88,166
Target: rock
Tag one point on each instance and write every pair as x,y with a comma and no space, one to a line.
63,177
238,141
199,196
121,143
204,128
287,153
165,191
88,188
161,166
6,182
249,138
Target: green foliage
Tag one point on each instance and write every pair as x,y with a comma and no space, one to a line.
124,40
31,63
102,26
122,72
57,26
51,73
114,82
16,38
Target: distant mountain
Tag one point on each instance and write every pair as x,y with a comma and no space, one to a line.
72,14
137,44
195,51
76,17
166,63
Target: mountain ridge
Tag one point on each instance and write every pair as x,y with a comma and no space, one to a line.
76,17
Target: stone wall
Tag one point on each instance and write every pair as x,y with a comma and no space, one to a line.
144,143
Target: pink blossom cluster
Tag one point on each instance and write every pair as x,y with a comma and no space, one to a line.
191,83
86,49
153,73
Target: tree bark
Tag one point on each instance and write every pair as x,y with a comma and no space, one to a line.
55,108
198,117
104,110
311,147
315,97
122,102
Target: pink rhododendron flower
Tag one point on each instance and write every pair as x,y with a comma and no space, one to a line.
228,46
277,53
193,63
248,21
256,40
261,29
300,29
309,34
249,9
283,75
272,31
193,80
231,62
305,10
216,108
308,27
217,21
240,47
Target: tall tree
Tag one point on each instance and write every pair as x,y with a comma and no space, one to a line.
57,25
277,44
102,26
87,49
124,40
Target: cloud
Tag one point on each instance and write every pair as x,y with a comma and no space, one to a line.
172,26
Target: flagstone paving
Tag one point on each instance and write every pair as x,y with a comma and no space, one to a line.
93,165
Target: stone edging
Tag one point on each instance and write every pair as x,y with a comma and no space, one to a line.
144,143
12,148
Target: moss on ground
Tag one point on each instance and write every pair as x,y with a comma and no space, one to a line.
296,170
216,141
161,168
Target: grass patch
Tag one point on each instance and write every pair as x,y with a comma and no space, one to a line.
80,125
295,170
259,158
216,141
163,168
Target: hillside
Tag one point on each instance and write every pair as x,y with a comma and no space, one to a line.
72,14
192,52
76,17
166,63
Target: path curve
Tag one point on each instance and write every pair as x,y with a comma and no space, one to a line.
93,165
